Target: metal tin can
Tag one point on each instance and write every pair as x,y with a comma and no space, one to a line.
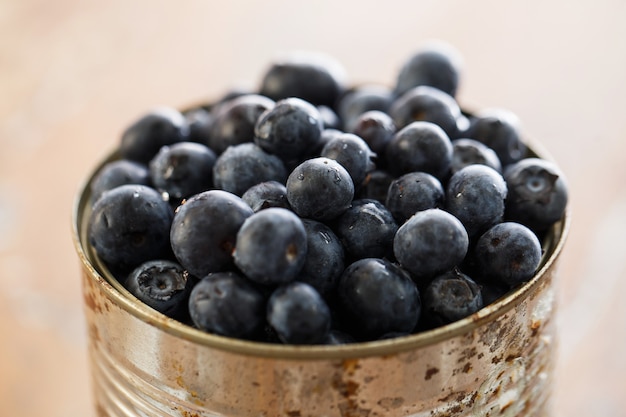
497,362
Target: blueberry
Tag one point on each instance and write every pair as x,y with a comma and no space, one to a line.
324,260
476,195
376,129
183,169
366,229
298,314
116,173
437,65
376,297
413,192
242,166
352,153
499,130
427,104
146,135
199,121
320,189
234,121
508,253
225,303
337,337
362,99
271,246
265,195
537,193
469,151
330,119
316,78
204,231
129,225
450,297
163,285
429,243
376,185
290,129
420,146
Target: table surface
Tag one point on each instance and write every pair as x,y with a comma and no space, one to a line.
73,74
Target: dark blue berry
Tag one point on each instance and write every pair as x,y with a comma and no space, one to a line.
330,119
352,153
366,229
476,195
376,297
362,99
324,261
376,185
265,195
225,303
271,246
242,166
144,137
320,189
426,104
204,231
129,225
499,130
290,129
163,285
199,121
437,65
537,193
234,121
316,78
298,314
376,129
338,337
413,192
431,242
183,169
449,297
420,146
116,173
469,151
508,253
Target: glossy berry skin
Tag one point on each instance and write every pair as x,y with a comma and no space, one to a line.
437,65
426,104
146,135
420,146
362,99
366,229
449,297
225,303
508,253
129,225
265,195
298,314
320,189
116,173
325,258
352,153
182,169
235,119
499,130
469,151
330,119
476,195
376,185
316,78
537,193
199,122
376,297
376,128
413,192
242,166
163,285
290,129
204,231
271,246
429,243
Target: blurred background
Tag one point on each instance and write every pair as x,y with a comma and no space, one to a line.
74,74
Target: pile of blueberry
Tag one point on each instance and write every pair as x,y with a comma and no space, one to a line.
313,212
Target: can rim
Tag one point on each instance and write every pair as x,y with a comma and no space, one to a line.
116,293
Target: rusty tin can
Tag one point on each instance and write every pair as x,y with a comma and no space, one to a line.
497,362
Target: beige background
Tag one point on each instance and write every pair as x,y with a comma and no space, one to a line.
74,73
